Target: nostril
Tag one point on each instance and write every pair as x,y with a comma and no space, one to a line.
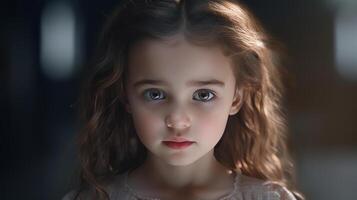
178,119
178,124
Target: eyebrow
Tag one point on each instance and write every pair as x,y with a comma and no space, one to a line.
190,83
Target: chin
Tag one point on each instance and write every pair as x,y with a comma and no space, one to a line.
179,160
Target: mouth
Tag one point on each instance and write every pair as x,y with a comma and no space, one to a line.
178,145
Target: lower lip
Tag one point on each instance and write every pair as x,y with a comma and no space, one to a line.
178,145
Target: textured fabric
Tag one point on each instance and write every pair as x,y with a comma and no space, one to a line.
245,188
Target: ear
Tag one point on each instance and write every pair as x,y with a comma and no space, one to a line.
237,102
124,99
128,108
126,105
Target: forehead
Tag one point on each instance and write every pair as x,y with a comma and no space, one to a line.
176,58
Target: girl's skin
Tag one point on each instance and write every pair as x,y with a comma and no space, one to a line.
174,62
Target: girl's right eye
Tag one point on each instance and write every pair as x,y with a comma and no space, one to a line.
153,95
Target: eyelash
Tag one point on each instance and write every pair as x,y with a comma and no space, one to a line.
148,98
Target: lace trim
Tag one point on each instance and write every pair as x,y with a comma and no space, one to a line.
138,196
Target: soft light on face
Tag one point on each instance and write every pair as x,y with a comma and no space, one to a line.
190,88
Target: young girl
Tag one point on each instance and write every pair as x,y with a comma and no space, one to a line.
184,103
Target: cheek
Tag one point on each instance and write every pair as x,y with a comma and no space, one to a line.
211,124
147,124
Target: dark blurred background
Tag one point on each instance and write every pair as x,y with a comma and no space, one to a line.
45,47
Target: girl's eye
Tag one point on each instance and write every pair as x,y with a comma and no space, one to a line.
201,95
204,95
153,94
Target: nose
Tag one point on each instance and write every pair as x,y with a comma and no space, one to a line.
178,119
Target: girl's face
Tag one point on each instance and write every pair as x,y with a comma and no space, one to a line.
178,90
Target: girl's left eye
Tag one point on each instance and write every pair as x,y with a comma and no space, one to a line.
203,95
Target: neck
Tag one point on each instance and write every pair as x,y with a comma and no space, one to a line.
200,174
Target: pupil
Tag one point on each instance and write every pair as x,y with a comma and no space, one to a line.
203,95
154,95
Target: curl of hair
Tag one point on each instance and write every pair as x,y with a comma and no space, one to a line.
254,141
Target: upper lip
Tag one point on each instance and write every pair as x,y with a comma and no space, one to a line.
177,140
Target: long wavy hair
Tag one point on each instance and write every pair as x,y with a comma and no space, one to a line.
254,141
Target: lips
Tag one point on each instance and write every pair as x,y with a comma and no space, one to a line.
178,145
177,139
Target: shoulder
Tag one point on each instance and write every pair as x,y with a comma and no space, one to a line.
70,195
253,188
115,189
76,195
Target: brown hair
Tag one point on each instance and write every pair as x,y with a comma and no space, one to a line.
254,141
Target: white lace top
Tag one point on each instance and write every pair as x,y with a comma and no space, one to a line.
245,188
